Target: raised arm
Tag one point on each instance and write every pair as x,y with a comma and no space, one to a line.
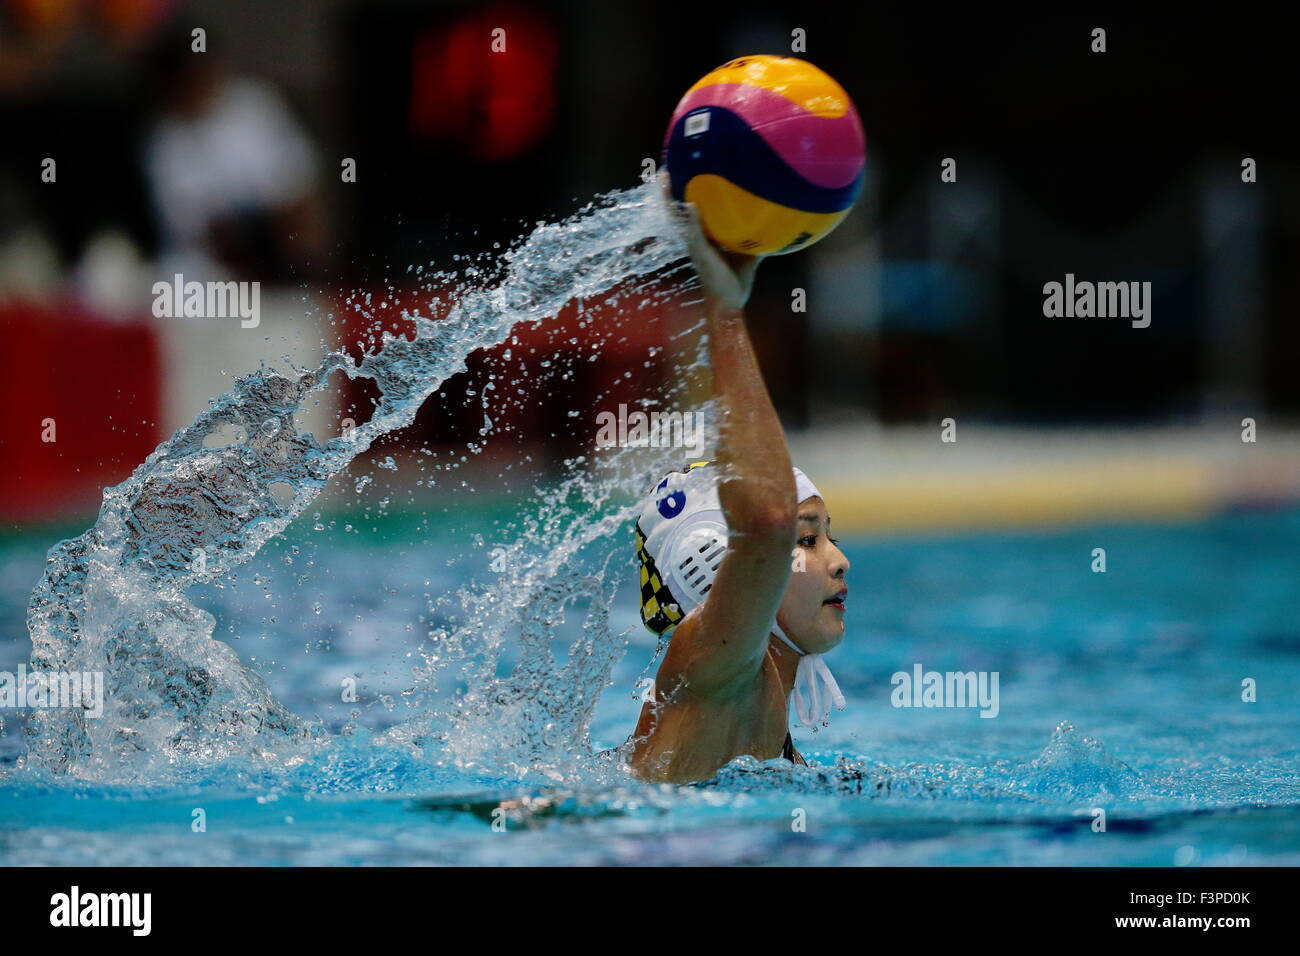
721,644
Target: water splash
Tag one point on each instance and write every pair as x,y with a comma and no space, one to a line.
1076,767
114,599
568,553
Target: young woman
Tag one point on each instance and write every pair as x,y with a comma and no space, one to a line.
737,561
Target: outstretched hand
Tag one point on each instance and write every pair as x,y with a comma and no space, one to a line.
725,276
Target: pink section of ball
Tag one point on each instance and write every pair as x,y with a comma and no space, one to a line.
826,151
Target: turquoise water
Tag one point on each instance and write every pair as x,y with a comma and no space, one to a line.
413,670
1119,691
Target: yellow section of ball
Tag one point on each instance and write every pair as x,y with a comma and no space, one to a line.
738,220
795,79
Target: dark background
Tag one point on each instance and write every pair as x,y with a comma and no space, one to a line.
1104,165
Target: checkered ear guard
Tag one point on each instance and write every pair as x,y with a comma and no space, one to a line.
659,610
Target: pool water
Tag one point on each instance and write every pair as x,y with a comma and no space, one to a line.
1118,692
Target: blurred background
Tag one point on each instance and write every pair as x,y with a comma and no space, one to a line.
127,158
925,304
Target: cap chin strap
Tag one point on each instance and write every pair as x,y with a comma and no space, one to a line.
814,686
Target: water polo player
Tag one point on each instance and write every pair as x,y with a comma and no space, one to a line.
737,562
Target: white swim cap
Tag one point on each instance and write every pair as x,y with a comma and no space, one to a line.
681,537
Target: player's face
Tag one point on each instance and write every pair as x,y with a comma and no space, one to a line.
812,611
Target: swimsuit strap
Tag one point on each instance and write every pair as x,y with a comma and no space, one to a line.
787,748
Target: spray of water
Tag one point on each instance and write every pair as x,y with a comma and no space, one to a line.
568,553
114,599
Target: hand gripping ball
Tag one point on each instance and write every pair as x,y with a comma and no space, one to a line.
771,151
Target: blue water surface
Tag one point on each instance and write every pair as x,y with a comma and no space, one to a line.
1121,699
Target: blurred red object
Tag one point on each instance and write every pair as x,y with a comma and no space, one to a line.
495,103
596,353
45,19
99,381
